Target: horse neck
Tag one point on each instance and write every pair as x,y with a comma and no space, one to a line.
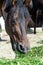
1,5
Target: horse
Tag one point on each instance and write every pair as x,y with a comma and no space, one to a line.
15,24
37,6
34,9
1,1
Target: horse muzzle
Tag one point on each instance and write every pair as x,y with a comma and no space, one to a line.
22,48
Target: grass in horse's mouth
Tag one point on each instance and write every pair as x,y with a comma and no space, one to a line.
34,57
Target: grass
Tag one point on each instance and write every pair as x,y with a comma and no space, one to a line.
34,57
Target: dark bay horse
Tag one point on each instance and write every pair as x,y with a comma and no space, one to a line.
15,24
37,5
35,8
1,2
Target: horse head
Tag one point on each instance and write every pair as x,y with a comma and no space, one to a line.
15,24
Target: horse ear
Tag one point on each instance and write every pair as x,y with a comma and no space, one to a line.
13,2
27,2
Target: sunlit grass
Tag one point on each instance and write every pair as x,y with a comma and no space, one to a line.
34,57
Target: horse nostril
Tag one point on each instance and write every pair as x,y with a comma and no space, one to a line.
22,48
